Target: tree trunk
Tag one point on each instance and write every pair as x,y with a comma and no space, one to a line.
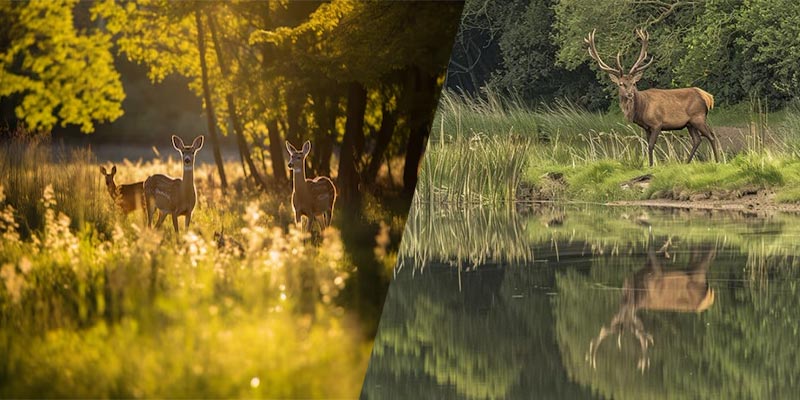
384,137
235,121
321,162
354,133
294,111
424,91
276,150
210,117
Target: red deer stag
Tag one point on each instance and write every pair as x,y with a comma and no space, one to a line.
655,289
659,109
310,197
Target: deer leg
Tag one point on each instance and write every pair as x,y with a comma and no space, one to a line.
696,140
712,139
188,220
651,143
150,210
161,217
175,221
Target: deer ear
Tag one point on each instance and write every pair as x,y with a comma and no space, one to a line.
635,78
177,143
198,143
103,171
306,147
113,170
290,148
614,78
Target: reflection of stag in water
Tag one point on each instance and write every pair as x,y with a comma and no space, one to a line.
652,288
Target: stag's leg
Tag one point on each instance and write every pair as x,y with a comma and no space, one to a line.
712,138
651,142
696,140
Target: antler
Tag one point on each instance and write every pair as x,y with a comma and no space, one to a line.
644,37
595,56
625,319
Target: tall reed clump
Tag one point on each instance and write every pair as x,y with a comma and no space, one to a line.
479,169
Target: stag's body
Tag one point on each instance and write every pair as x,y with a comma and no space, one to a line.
128,197
172,196
652,288
310,197
656,110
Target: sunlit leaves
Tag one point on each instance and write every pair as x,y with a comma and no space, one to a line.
60,73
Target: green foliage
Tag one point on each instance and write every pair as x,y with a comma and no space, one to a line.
53,70
732,49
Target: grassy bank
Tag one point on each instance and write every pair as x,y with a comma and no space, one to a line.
89,300
486,150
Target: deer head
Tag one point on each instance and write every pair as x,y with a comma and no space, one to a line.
297,158
625,81
109,177
187,152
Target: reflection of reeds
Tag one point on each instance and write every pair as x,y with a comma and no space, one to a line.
463,237
472,236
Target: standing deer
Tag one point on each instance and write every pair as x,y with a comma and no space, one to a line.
659,109
310,197
170,195
128,197
655,289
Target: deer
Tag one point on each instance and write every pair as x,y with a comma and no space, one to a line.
128,197
310,197
658,109
174,196
653,288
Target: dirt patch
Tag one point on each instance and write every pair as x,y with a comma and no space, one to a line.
762,201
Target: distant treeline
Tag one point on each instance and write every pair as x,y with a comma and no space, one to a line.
534,49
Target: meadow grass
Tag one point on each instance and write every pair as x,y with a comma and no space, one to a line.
483,149
94,305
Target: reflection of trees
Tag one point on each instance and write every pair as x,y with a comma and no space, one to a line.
742,347
479,342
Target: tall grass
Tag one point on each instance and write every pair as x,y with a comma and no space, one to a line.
93,305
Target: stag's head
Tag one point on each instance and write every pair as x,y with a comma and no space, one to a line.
297,158
625,81
187,152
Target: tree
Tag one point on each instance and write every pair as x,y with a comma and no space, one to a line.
51,71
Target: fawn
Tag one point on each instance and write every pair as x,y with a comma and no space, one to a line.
310,197
170,195
129,196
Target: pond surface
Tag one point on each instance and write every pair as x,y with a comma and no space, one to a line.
591,302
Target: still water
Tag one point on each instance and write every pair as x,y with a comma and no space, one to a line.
591,302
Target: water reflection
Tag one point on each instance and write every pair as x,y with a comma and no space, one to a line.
656,288
702,305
